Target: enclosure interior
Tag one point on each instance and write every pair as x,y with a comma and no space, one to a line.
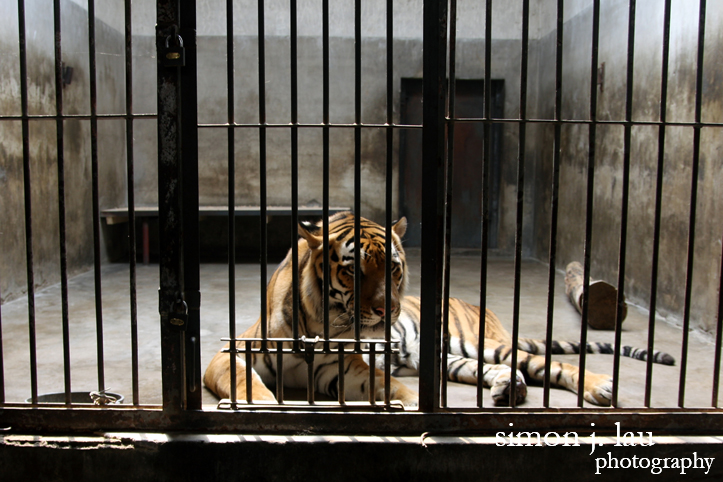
538,155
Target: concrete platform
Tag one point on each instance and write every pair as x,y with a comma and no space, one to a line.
214,312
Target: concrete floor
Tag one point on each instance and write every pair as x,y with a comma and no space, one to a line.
214,312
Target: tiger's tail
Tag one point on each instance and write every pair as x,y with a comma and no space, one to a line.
537,347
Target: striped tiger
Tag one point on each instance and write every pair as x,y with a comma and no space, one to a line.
404,316
463,354
310,315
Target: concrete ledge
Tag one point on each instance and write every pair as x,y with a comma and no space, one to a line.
180,457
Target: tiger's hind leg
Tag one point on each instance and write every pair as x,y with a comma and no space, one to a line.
598,387
496,377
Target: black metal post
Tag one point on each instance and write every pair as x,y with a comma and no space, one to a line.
435,49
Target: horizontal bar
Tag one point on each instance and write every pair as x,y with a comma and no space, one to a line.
489,421
380,341
77,116
151,211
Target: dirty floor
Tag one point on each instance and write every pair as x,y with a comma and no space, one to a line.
214,313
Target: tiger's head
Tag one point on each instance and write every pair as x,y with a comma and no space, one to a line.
372,261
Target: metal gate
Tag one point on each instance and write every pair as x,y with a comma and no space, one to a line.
180,297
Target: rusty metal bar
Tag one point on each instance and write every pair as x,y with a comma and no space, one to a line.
693,204
170,212
590,196
624,202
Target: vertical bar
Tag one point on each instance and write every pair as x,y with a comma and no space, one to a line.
325,169
590,196
389,203
262,170
693,203
170,213
28,202
231,202
340,348
61,198
357,173
95,195
191,236
718,336
372,373
131,199
2,366
279,372
658,201
249,377
435,47
520,194
451,99
624,201
294,174
486,166
554,202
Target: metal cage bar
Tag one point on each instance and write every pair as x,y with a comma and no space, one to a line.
95,195
624,202
486,171
130,175
28,203
449,172
231,163
554,201
693,204
60,143
658,202
520,196
590,196
388,202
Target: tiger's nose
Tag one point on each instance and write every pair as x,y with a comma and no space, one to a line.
379,311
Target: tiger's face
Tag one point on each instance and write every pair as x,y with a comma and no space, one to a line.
372,262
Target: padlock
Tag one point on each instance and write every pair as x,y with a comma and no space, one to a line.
174,55
178,317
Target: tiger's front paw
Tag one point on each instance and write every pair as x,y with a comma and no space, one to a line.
501,388
598,389
408,397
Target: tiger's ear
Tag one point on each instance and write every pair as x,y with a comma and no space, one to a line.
310,232
400,227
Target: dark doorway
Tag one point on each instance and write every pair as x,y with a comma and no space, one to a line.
468,150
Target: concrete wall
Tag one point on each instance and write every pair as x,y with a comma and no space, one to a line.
506,48
644,152
42,141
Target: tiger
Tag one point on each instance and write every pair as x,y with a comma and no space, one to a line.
463,354
404,318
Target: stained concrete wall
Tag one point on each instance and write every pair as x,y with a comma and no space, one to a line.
643,155
506,51
42,141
